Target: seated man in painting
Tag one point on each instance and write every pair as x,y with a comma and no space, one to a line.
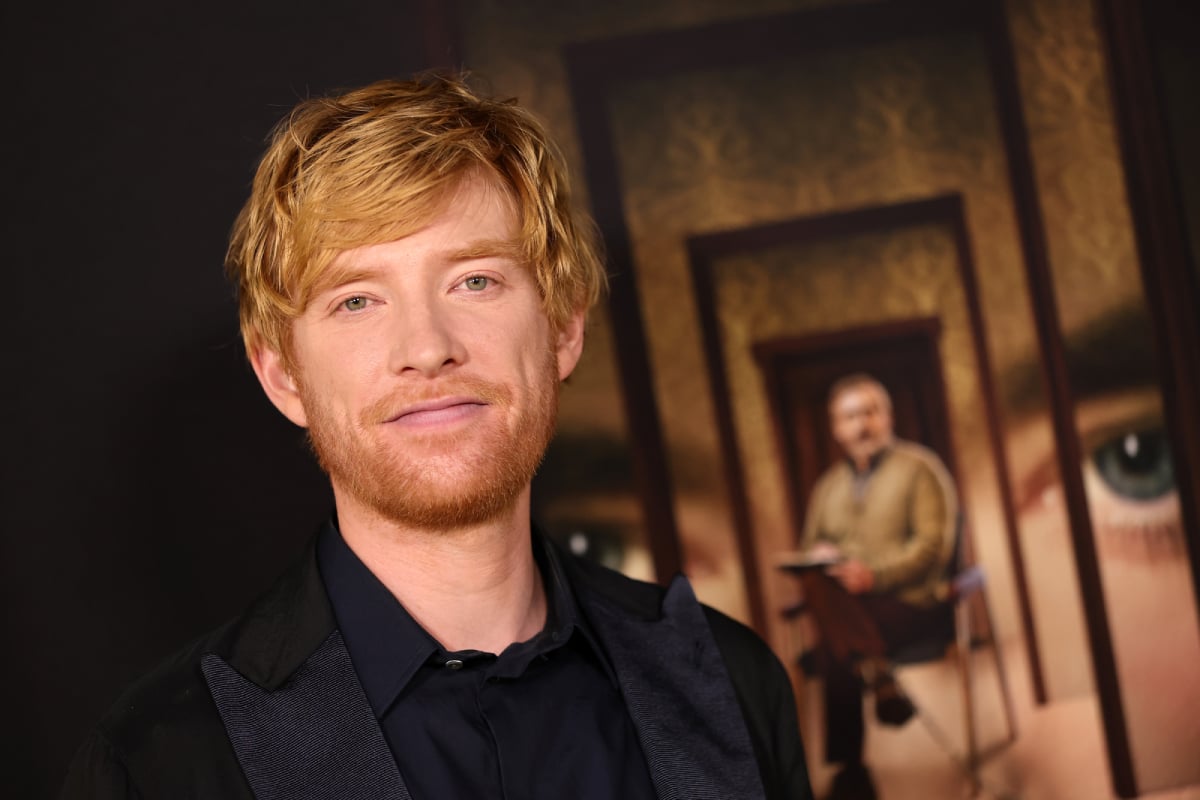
885,520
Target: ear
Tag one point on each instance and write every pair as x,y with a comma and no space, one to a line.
278,383
570,343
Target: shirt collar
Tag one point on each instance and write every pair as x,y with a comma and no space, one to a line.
387,646
385,643
872,464
563,617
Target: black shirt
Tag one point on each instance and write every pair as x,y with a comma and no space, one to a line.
545,718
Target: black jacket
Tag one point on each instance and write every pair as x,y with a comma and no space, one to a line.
268,706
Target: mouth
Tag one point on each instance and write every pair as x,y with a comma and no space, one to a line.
437,412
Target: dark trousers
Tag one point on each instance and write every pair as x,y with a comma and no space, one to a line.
854,628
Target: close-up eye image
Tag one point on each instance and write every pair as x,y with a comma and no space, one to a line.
1136,464
1131,482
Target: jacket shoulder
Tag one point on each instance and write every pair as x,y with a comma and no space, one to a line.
172,694
764,693
636,597
756,672
759,681
918,455
920,459
741,648
163,737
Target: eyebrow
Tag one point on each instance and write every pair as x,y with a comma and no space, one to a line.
335,276
1112,353
489,248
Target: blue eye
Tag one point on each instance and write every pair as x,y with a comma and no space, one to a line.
1136,465
476,283
355,304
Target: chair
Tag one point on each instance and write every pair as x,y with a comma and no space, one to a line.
965,587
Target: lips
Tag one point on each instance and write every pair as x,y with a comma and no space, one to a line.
433,412
417,406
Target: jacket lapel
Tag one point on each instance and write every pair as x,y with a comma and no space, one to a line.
315,736
302,727
295,713
680,698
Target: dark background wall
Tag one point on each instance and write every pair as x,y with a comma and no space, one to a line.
148,488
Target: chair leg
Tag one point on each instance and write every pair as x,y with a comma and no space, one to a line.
962,631
1001,673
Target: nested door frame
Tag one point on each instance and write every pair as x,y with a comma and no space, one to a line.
884,351
705,252
596,67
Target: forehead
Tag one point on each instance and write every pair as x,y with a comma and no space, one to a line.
863,397
474,218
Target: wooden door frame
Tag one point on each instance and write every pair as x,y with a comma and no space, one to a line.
596,67
706,251
776,355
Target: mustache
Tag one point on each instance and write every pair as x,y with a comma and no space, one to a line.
395,403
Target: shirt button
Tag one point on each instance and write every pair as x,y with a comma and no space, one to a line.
454,663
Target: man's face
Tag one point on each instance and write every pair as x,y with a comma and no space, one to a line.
428,373
862,422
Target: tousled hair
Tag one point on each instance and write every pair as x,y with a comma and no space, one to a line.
378,163
854,381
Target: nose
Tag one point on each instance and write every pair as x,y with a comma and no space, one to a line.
861,424
426,341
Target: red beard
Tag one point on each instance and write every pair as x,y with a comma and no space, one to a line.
466,478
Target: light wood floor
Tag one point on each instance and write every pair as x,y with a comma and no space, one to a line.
1058,753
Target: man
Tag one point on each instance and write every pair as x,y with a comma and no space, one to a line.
885,518
413,287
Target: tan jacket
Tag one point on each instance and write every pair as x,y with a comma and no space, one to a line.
903,526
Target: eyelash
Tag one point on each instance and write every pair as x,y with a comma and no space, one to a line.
1134,497
1129,518
344,305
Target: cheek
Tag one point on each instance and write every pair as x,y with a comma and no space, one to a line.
525,357
335,395
344,369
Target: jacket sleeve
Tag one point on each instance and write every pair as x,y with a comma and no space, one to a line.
932,512
98,773
764,693
790,775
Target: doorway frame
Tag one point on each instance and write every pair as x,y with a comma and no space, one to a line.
947,210
777,355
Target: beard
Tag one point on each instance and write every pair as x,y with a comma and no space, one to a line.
438,481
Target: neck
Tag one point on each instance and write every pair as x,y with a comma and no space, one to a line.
473,588
864,463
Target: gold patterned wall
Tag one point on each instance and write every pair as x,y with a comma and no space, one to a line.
517,49
1076,161
802,136
902,274
811,133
